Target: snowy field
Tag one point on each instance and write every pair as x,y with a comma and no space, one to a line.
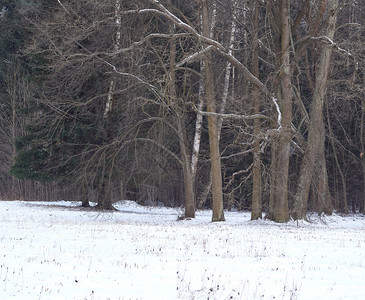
57,251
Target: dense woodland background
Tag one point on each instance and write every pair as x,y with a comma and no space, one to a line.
225,104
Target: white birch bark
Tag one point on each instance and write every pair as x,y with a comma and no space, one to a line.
198,130
227,77
199,117
110,97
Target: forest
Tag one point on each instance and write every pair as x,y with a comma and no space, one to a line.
223,104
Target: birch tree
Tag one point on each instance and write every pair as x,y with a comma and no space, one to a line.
77,124
211,44
125,85
226,85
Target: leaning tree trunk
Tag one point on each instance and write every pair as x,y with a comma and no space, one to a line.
315,145
217,192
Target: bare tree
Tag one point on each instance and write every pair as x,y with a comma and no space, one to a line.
315,144
217,193
115,103
256,207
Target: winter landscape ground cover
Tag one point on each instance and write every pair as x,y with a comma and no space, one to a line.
58,251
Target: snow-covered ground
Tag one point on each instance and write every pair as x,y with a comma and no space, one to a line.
57,251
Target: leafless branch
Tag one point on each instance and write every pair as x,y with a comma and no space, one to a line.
234,116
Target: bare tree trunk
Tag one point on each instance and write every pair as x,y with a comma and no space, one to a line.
110,97
342,204
323,197
227,76
256,210
190,205
198,129
197,135
13,131
281,213
188,166
362,154
273,167
217,192
315,146
84,195
105,185
104,198
197,140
